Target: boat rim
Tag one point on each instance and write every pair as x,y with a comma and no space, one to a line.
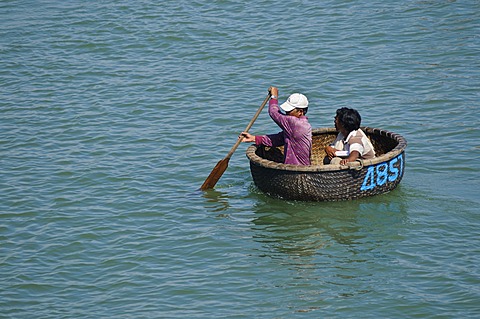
359,164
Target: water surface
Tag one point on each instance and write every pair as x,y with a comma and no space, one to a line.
112,114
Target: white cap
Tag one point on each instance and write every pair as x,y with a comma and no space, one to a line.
296,100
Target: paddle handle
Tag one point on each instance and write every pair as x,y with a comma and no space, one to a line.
222,165
249,126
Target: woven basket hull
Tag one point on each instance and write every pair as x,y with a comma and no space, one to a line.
319,182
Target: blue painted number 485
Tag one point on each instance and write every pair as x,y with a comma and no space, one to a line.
379,174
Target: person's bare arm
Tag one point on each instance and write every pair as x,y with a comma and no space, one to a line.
330,150
354,155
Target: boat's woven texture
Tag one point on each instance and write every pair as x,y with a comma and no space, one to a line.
319,182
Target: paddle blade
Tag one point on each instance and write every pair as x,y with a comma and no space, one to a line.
215,175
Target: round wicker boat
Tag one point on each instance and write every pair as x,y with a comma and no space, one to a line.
319,182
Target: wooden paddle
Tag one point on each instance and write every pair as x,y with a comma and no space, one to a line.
222,165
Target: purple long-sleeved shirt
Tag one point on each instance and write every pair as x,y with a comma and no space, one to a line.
296,136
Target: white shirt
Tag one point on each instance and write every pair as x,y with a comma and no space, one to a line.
355,141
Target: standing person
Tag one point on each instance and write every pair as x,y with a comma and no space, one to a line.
350,139
296,134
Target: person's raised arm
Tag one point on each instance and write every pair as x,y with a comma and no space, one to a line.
273,92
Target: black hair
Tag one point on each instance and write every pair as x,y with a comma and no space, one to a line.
349,118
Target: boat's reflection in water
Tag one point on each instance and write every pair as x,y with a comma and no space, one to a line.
337,248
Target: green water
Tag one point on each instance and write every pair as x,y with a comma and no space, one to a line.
112,114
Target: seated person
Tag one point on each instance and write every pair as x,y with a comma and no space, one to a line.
296,134
350,139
